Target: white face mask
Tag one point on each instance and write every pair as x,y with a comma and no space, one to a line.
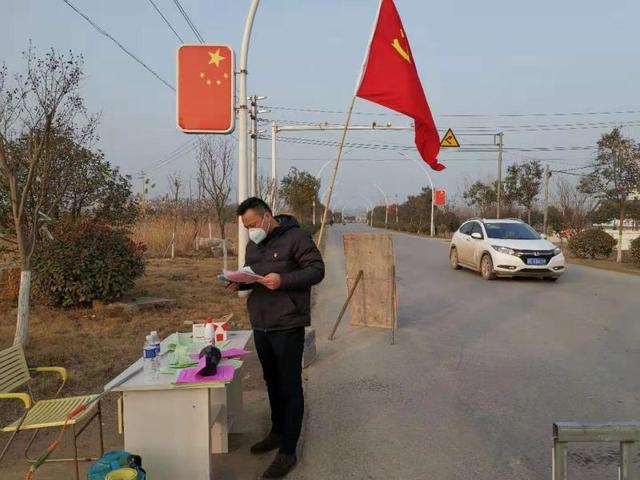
258,234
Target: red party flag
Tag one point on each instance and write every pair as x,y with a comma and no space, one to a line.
389,78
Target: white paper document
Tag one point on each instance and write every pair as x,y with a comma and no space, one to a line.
244,275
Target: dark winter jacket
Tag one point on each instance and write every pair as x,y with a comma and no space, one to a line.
291,252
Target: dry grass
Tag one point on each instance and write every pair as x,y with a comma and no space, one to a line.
155,233
96,345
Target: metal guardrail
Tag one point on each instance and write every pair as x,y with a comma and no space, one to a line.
627,434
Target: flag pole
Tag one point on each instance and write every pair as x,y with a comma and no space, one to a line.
344,132
335,171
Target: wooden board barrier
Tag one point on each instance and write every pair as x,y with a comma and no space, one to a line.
373,303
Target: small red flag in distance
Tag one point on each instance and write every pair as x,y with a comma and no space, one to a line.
389,78
206,90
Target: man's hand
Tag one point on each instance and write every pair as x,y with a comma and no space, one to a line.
232,287
271,281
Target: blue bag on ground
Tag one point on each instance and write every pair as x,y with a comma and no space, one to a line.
114,460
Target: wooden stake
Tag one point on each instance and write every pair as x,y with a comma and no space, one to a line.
394,306
346,303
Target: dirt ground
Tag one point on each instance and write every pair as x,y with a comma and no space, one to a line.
97,344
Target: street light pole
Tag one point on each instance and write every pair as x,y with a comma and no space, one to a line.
314,211
243,236
433,190
370,203
386,211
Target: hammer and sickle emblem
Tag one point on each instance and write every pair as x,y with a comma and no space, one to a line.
396,45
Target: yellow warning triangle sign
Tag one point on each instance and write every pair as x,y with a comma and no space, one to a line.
449,140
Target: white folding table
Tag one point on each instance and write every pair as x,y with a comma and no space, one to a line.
175,429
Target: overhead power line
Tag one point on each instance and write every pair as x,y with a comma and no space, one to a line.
189,22
166,21
106,34
477,148
179,151
460,115
460,130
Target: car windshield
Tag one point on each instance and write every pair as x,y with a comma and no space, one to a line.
511,231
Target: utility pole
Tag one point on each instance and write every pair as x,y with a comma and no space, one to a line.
274,172
547,174
253,114
499,184
144,194
396,208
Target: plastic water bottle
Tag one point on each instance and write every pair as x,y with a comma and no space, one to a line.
156,342
209,335
149,360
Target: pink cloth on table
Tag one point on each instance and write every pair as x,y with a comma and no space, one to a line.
235,352
191,375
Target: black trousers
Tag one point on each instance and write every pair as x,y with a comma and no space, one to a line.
280,353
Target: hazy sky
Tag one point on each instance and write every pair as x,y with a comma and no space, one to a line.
486,59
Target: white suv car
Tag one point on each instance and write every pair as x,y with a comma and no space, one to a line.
505,248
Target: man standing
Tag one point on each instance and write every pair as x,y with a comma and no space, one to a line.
279,308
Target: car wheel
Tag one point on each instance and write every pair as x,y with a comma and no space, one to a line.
486,267
453,257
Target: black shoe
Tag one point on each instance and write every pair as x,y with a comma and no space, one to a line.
271,442
281,465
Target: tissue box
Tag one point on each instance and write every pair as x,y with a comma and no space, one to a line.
220,331
198,332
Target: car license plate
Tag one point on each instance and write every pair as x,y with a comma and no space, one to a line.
536,261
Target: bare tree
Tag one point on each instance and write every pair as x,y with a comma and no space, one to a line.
44,99
175,187
215,170
266,188
575,205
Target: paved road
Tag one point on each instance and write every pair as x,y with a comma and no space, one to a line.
480,372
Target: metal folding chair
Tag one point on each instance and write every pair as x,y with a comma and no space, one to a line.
15,374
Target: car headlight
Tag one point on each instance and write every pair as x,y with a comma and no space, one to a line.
557,251
507,250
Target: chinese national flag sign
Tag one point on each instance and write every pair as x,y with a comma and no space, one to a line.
390,78
206,89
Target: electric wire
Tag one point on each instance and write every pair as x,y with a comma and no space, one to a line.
179,151
462,130
460,115
166,21
475,148
189,22
125,50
